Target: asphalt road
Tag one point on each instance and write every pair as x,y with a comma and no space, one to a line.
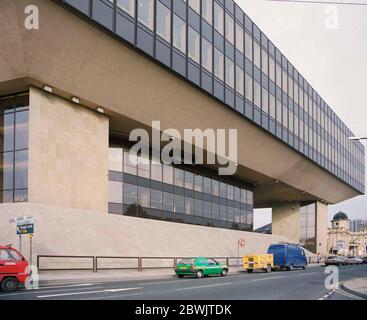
281,285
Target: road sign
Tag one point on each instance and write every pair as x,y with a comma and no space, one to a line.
241,242
25,229
25,225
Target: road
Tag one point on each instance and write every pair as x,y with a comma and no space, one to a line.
282,285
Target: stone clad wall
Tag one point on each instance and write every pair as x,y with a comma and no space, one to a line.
68,153
62,231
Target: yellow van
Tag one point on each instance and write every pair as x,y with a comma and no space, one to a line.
252,262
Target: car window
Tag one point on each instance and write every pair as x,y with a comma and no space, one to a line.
187,261
212,262
9,255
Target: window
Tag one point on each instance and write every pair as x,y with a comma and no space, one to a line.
239,38
163,22
198,207
230,192
130,193
127,5
167,174
265,100
272,108
229,28
207,8
271,69
194,45
215,188
248,46
257,94
257,55
198,183
206,55
195,5
239,80
207,185
218,18
179,204
179,34
143,167
115,191
189,180
156,170
167,201
285,81
156,199
145,13
218,64
14,148
179,178
189,205
223,190
264,61
130,163
248,86
144,197
115,159
279,75
229,72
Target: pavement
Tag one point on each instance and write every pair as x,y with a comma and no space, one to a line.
357,286
306,284
72,277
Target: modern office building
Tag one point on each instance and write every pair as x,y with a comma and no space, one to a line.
357,225
73,89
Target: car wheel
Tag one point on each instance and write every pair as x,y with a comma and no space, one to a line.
224,272
199,274
249,270
9,284
290,268
268,269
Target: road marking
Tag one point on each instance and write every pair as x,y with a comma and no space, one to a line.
163,282
267,278
114,296
328,295
35,291
207,286
66,286
86,292
306,274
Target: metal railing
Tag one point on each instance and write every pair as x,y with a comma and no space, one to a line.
138,262
92,258
95,262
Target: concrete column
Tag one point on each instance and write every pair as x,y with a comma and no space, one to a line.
286,220
68,154
321,228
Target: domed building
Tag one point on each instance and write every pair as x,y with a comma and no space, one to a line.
343,241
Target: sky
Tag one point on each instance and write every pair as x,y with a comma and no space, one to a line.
328,46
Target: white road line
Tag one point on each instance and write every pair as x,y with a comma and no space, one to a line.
163,282
114,296
306,274
35,291
66,286
85,292
267,278
207,286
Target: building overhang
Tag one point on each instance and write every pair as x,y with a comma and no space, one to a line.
77,59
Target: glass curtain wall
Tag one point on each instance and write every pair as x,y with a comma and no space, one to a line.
14,148
149,189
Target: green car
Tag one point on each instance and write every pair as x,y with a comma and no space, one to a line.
200,267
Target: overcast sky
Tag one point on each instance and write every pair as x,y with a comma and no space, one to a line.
331,54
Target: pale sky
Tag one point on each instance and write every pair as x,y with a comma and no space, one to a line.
333,60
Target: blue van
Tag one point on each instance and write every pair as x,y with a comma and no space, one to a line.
288,256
